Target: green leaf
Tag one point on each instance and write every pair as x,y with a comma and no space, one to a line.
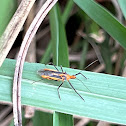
46,57
7,9
122,4
106,54
42,119
54,23
61,119
60,48
83,55
56,119
67,11
106,102
106,20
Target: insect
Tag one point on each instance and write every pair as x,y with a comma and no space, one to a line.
56,75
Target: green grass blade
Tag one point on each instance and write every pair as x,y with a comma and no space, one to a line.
67,11
7,9
61,119
63,47
54,23
60,53
122,4
106,20
60,45
42,119
83,55
56,119
106,102
107,54
46,57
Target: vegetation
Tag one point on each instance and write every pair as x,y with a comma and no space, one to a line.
81,31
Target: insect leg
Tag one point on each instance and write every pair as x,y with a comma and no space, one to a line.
58,89
76,91
81,74
61,68
53,65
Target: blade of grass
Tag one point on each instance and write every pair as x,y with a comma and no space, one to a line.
83,55
67,11
63,47
122,4
56,119
108,93
106,20
106,54
60,48
107,101
46,57
61,119
65,15
60,53
42,119
54,24
7,9
122,64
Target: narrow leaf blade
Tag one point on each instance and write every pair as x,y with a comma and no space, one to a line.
106,20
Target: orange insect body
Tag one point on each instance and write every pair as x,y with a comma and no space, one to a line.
61,76
56,75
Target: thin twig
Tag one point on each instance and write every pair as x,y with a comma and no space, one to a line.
21,58
31,56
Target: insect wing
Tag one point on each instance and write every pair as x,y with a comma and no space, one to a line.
50,74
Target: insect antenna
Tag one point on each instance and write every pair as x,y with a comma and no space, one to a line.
76,91
53,65
86,68
83,84
90,64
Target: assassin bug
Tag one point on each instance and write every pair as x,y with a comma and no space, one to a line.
56,75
